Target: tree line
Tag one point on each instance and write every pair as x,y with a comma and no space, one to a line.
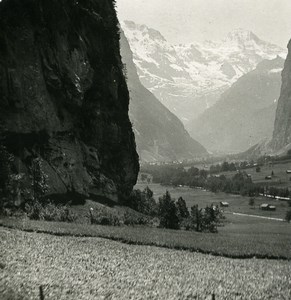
174,214
240,183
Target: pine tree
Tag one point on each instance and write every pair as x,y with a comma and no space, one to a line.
168,212
196,217
182,210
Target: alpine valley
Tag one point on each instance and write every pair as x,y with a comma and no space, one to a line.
189,78
245,113
159,134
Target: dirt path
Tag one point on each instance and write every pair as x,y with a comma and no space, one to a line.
256,216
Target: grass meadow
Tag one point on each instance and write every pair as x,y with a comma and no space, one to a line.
87,268
240,237
249,258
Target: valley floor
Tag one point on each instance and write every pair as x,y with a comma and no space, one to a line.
96,268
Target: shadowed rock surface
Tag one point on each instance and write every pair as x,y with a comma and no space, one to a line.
63,96
282,129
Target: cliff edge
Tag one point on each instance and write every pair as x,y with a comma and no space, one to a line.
63,96
282,129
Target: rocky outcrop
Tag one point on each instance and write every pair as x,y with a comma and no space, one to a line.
63,96
160,135
282,129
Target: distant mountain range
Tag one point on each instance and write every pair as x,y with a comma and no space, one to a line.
190,78
245,114
159,134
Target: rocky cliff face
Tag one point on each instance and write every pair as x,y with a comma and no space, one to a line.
282,129
160,135
63,96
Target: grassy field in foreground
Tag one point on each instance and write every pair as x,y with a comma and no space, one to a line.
93,268
237,203
241,237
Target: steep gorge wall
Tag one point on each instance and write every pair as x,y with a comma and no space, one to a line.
282,129
63,96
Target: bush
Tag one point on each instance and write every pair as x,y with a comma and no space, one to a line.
103,217
182,210
143,202
49,212
130,219
5,211
187,224
196,218
252,201
207,219
211,218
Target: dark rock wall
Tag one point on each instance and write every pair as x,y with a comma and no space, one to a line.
63,95
282,129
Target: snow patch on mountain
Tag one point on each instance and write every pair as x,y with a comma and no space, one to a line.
188,78
278,70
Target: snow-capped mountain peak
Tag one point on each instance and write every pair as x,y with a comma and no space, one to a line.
188,78
147,32
241,35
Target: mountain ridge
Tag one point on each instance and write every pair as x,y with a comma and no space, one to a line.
160,135
189,78
245,113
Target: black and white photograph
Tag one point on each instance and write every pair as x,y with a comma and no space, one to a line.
145,149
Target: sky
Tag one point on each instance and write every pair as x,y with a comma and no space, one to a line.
185,21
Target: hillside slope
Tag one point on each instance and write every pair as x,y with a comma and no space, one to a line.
245,113
160,135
